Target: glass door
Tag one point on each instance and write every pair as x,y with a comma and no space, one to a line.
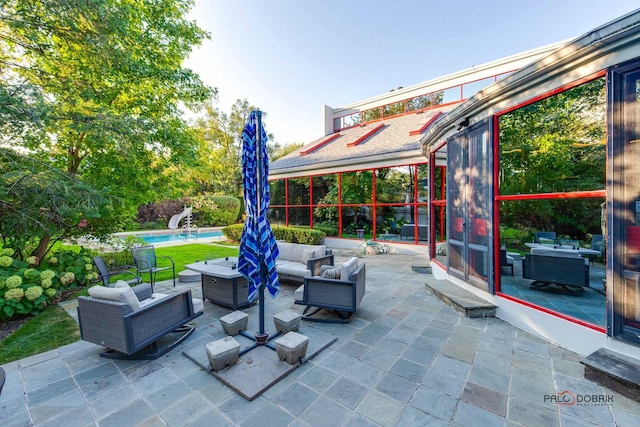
469,205
625,195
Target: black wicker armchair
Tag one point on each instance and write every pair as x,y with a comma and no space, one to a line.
146,332
341,296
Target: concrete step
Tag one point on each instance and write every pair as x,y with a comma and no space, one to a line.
461,300
615,371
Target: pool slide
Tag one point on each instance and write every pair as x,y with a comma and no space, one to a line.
175,220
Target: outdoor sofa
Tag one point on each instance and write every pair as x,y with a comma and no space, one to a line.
297,261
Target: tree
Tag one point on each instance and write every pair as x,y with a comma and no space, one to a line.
220,162
109,73
40,205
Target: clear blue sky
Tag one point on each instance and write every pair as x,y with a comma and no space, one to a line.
290,57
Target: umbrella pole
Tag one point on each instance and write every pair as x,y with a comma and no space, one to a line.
261,336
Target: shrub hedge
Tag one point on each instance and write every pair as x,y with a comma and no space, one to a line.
288,234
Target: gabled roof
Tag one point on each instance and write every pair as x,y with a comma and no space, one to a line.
387,142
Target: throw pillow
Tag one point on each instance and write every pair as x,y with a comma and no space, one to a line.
308,254
331,273
347,268
121,284
120,294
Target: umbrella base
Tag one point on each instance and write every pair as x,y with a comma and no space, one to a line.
261,339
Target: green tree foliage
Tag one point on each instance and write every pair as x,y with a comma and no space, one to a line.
555,145
40,205
104,79
219,169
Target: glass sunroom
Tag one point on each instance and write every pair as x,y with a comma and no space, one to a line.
540,195
367,178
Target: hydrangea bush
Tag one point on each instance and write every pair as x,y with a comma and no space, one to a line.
27,288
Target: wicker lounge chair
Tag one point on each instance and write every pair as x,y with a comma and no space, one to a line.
147,262
341,296
145,332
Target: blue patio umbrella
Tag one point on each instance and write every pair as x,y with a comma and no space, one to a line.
258,249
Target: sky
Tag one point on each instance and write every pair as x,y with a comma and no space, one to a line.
291,57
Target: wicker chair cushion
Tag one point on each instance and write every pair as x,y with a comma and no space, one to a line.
118,294
331,273
347,268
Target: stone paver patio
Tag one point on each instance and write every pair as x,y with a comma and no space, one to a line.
406,359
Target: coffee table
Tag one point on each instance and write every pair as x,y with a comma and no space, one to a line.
222,284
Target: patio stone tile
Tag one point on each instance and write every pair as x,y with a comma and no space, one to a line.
435,403
209,419
379,358
409,370
380,408
77,417
436,334
325,412
16,419
237,408
268,414
533,359
392,346
295,398
347,392
97,373
186,410
166,396
532,391
135,412
155,381
414,417
54,407
419,355
444,383
397,387
451,366
493,363
357,420
318,378
216,391
141,370
397,313
112,402
522,411
429,344
36,378
443,325
103,386
403,336
470,415
459,351
51,391
485,398
624,418
353,348
489,379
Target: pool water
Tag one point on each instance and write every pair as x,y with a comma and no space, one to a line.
176,237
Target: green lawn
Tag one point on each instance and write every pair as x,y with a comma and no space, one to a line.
54,327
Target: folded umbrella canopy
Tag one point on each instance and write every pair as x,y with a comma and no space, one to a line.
258,249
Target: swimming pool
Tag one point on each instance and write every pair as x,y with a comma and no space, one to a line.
155,238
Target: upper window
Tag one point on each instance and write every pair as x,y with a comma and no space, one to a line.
557,144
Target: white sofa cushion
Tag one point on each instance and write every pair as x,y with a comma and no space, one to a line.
119,293
348,267
286,250
293,269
